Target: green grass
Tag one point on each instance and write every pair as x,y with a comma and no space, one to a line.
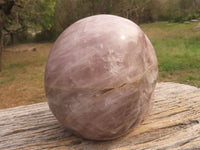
177,47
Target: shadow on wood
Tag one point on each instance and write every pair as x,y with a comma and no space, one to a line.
174,123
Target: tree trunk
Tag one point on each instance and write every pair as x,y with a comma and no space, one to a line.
12,38
5,10
1,34
1,49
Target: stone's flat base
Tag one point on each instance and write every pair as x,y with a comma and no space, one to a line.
174,123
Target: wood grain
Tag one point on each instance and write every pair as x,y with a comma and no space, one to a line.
174,124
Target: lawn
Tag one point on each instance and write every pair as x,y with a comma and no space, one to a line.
22,77
177,47
178,50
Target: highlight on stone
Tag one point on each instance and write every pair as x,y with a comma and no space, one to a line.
100,77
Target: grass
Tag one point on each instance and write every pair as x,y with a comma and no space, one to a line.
21,79
177,47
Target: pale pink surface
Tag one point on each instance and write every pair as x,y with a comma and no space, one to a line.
100,76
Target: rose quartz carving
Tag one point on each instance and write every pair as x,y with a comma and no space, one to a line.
100,76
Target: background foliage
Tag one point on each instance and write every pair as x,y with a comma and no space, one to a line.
48,18
139,11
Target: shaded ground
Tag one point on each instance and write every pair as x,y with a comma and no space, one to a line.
25,47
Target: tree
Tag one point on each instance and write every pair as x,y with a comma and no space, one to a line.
139,11
5,11
19,15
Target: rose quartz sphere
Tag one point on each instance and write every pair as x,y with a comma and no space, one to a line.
100,77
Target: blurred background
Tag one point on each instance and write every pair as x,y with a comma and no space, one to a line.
28,29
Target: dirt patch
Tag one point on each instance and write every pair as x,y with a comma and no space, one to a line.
26,47
22,76
197,27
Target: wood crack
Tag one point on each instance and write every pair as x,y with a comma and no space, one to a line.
28,129
183,125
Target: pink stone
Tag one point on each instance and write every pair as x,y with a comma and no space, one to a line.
100,77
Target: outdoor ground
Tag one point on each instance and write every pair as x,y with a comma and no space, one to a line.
177,47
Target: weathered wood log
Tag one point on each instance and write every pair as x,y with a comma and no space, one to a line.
174,123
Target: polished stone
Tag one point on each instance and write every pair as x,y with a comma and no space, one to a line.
100,77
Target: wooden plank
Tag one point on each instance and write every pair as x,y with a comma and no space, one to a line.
174,123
